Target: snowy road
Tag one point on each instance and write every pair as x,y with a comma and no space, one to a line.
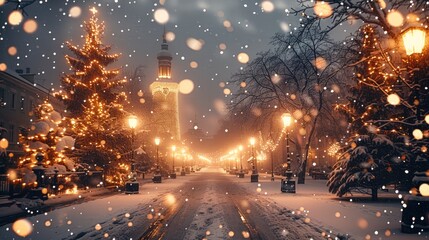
209,204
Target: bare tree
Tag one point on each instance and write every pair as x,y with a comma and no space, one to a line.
299,75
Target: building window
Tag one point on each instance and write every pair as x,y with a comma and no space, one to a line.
21,104
12,100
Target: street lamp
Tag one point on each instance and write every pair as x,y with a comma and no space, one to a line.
241,174
132,186
157,177
414,217
183,173
4,143
254,177
173,173
287,185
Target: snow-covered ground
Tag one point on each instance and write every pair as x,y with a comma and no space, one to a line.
358,218
312,209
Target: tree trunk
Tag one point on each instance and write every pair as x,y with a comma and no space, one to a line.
374,194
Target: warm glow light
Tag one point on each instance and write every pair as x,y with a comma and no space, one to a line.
322,9
393,99
414,40
4,143
243,58
157,141
12,51
3,67
194,44
22,227
268,6
2,2
252,141
186,86
424,189
240,148
75,12
173,148
15,17
161,16
427,119
30,26
132,121
286,119
418,134
395,19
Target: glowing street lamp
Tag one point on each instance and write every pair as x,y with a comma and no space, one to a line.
132,186
173,173
254,177
241,174
287,185
414,39
157,177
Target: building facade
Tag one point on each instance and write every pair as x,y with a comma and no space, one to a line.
19,94
165,95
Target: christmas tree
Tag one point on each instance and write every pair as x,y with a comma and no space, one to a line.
47,136
375,155
93,98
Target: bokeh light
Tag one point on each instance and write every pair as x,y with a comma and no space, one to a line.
12,51
226,91
417,134
3,67
186,86
193,64
395,19
22,227
75,12
194,44
322,9
170,36
161,16
320,63
222,46
30,26
393,99
15,17
243,58
267,6
424,189
97,227
2,2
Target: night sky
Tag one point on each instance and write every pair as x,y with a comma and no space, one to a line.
226,27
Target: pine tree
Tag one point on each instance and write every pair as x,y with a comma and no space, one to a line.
375,154
47,136
93,98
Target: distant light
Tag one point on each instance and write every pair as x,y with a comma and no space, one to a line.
3,67
22,227
75,12
12,51
393,99
186,86
395,19
194,44
243,58
161,16
322,9
267,6
30,26
414,40
15,17
418,134
170,36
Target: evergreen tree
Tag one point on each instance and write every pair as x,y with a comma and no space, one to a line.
375,154
93,98
47,136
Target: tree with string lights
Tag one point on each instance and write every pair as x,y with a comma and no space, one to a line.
95,101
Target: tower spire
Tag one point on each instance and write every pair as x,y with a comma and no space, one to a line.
164,59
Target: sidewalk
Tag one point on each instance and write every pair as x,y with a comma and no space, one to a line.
12,209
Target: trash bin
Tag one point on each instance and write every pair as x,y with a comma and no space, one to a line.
288,186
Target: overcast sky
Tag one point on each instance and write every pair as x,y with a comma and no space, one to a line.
132,31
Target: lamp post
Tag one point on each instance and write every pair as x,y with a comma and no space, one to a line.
241,173
287,185
183,173
157,178
4,143
173,173
132,186
255,176
416,207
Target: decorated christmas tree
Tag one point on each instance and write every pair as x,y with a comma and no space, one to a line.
376,152
47,136
94,100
